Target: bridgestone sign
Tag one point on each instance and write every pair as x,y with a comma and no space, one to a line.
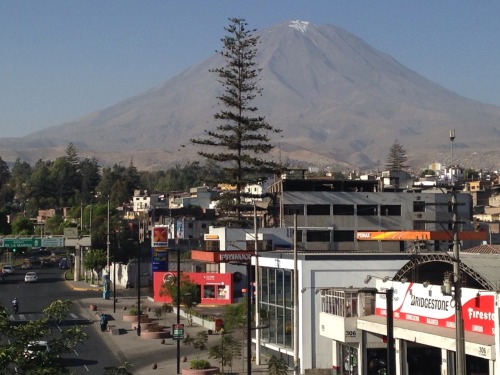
226,256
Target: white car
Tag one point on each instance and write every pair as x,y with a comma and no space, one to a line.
31,277
35,348
7,268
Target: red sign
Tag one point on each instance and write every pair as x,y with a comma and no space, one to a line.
427,305
233,256
160,236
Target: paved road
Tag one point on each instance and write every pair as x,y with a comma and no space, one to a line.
89,358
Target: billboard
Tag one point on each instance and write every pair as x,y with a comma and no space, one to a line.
160,236
428,305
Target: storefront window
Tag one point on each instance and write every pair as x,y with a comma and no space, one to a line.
278,307
264,285
209,291
222,292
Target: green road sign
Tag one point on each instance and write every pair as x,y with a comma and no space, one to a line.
21,242
32,242
52,242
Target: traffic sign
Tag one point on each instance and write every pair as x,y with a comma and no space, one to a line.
21,242
32,242
52,242
178,331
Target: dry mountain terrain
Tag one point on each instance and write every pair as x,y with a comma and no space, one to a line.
338,101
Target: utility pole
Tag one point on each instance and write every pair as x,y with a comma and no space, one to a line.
459,322
257,286
296,360
107,244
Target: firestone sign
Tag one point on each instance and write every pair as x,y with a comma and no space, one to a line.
233,256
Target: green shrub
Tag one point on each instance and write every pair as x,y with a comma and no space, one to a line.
132,311
200,364
155,328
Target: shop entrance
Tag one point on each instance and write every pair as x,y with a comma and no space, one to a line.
423,360
476,365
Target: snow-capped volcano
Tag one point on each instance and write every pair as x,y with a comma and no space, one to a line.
337,100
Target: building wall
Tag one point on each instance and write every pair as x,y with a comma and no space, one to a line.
315,350
371,211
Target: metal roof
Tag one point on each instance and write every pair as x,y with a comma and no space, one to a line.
485,265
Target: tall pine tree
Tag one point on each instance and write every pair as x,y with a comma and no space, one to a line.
396,160
240,141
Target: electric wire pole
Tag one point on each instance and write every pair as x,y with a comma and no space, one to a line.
459,322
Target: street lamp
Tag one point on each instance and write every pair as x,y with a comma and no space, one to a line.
391,350
107,243
138,288
178,308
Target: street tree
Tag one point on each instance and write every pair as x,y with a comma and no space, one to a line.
95,260
22,226
16,338
4,172
277,366
242,138
188,290
226,351
396,160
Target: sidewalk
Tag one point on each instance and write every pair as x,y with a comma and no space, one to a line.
144,353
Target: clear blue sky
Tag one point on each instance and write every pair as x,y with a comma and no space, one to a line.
62,59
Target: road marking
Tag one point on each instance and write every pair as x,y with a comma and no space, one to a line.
78,355
86,368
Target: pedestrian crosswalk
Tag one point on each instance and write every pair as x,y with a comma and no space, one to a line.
71,318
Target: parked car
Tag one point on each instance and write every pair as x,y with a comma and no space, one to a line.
7,269
31,277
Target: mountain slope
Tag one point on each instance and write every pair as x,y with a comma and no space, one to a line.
337,99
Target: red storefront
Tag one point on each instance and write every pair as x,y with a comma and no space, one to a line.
215,288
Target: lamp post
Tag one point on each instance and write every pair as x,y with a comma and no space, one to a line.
459,322
249,318
178,308
138,288
114,274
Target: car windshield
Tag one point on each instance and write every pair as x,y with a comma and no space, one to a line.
37,347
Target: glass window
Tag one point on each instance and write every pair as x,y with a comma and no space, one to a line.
290,209
264,285
367,210
318,236
272,286
343,235
280,320
418,206
288,328
390,210
343,209
209,291
318,209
